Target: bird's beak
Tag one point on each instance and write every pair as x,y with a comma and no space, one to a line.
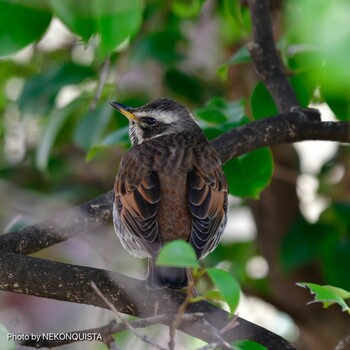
125,110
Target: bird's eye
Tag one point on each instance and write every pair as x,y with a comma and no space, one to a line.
149,120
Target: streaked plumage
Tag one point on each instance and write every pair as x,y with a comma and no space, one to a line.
170,185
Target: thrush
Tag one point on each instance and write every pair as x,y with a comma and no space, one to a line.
170,185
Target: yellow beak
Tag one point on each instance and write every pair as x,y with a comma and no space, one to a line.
125,111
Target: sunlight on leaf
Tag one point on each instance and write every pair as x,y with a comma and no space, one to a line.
114,21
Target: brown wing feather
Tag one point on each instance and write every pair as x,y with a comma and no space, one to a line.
135,208
207,191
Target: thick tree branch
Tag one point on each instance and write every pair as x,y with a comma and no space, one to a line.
61,227
284,128
265,57
49,279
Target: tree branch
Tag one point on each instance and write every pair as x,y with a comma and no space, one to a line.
283,128
54,280
64,225
265,57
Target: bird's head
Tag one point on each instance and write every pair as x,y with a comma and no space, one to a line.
158,118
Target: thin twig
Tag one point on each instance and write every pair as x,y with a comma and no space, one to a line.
343,343
215,333
140,336
230,325
173,326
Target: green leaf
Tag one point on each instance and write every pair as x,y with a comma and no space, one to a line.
40,91
334,256
227,286
241,56
118,137
211,115
262,104
301,91
249,174
21,23
77,15
233,8
330,61
304,242
185,8
219,112
328,295
336,261
114,21
160,45
184,85
90,128
55,122
338,100
248,345
6,344
178,253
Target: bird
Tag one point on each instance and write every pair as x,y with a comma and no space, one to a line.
170,186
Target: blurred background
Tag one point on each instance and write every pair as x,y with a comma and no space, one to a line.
61,142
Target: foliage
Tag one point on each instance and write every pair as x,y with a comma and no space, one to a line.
179,253
328,295
50,121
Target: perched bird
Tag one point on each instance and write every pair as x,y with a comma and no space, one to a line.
170,185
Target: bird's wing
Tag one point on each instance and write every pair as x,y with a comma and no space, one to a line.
207,191
137,194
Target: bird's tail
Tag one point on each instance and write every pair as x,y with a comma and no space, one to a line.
166,276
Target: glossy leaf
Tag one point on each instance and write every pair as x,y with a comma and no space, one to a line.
227,286
328,295
178,253
262,104
114,21
249,174
40,91
21,23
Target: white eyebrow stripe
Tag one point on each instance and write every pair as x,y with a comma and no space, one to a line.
161,116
